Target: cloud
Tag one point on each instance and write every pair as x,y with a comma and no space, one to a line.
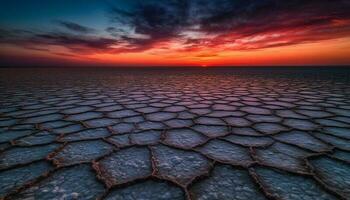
196,25
74,42
232,21
71,26
256,16
152,20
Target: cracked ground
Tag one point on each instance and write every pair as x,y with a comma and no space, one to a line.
174,134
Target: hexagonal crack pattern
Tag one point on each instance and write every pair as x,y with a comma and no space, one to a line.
173,134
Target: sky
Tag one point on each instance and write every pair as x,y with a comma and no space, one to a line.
174,32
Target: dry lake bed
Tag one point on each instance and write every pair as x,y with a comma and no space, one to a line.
171,134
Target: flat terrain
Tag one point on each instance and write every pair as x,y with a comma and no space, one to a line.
208,134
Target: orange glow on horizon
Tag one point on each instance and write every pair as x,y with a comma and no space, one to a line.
325,52
179,33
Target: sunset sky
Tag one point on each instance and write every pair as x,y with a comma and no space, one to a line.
174,32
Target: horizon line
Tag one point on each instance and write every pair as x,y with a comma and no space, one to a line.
179,66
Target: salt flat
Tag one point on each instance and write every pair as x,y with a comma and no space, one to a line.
175,134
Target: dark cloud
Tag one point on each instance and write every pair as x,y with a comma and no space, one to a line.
13,33
167,20
77,43
199,24
75,27
3,33
256,16
153,20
